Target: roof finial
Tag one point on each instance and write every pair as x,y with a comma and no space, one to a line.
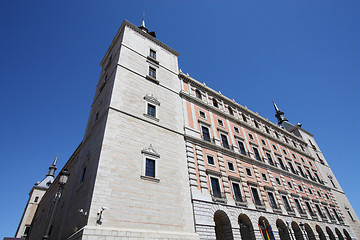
279,114
275,106
143,20
52,168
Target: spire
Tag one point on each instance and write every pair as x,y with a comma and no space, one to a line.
52,168
49,178
279,115
142,27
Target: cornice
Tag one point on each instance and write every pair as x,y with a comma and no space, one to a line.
138,30
249,160
227,116
232,102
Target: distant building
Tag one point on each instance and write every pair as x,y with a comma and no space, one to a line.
166,157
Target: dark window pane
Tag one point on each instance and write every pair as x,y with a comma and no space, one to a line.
224,141
205,133
150,168
151,110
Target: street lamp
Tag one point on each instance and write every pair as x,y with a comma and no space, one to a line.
64,175
302,226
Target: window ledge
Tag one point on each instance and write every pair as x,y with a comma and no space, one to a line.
152,179
148,77
153,60
151,117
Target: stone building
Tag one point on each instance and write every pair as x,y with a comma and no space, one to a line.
166,157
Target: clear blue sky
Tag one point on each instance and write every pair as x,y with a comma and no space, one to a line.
303,54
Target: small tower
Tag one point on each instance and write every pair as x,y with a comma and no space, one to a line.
279,115
35,195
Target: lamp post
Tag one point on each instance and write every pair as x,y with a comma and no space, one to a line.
64,175
302,226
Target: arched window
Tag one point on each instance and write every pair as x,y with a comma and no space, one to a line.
330,233
36,199
320,232
246,228
265,229
283,230
297,231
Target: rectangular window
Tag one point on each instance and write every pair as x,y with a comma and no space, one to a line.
231,166
292,168
256,196
267,130
242,148
215,187
150,168
286,203
336,215
294,156
248,172
310,191
83,175
257,154
202,114
278,181
284,151
271,162
27,230
300,188
152,54
251,136
263,142
264,177
351,216
281,164
319,211
298,206
244,117
151,110
237,192
210,160
224,141
272,200
205,133
236,130
275,148
152,72
328,213
290,185
309,208
301,171
220,122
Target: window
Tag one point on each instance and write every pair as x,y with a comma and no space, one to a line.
275,148
106,77
248,172
242,148
317,176
251,136
205,133
152,54
237,192
272,200
151,110
310,191
231,166
256,124
198,93
236,129
309,208
150,167
215,103
284,151
244,117
310,176
152,72
27,230
328,212
290,185
83,175
210,160
271,162
215,187
96,116
264,177
302,160
294,156
278,181
231,111
319,211
294,143
220,122
302,148
332,183
256,196
310,163
224,141
300,188
281,163
277,135
257,154
263,142
327,196
298,206
267,130
319,194
202,114
351,216
286,203
336,215
292,168
36,199
286,140
301,171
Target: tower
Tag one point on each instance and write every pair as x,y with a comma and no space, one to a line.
35,195
128,176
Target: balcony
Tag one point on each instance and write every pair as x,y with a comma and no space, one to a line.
218,196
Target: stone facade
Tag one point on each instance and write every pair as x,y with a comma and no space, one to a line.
165,157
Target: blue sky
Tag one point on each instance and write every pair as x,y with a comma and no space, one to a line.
303,54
